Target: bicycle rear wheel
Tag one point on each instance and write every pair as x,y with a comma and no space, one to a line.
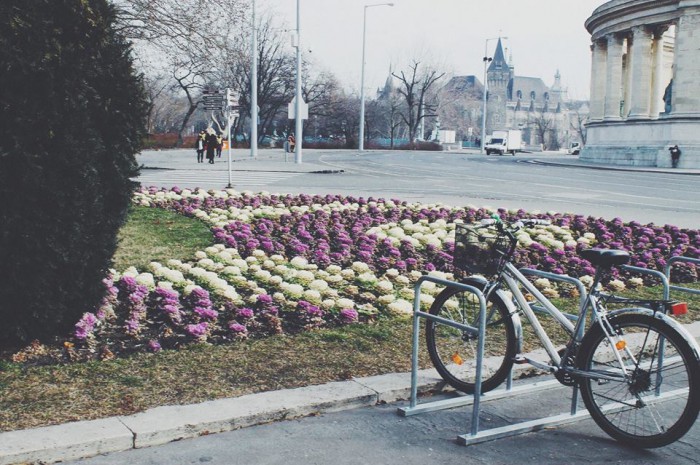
656,403
453,351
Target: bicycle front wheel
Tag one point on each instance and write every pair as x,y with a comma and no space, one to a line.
453,351
657,401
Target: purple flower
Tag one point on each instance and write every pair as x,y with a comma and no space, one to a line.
348,315
154,345
197,330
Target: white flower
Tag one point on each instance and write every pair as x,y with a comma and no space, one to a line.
347,273
305,276
635,283
542,283
386,299
146,279
403,280
368,279
262,275
200,255
392,273
360,267
406,293
312,296
334,269
299,262
292,290
318,285
345,303
334,279
400,307
586,280
616,285
385,287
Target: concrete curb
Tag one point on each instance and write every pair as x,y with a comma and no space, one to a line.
161,425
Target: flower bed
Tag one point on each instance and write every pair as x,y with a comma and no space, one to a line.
285,263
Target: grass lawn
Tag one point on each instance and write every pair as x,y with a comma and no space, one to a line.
33,396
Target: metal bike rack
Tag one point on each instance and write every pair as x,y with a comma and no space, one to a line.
414,408
475,400
667,271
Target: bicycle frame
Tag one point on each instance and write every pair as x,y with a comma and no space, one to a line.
514,280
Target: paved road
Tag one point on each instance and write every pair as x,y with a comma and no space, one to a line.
529,181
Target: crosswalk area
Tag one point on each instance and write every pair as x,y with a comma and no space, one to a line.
210,179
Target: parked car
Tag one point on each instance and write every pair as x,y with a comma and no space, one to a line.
574,148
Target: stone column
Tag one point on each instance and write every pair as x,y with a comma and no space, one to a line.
686,85
598,59
627,65
658,83
641,73
613,78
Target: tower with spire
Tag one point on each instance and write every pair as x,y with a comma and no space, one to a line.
499,77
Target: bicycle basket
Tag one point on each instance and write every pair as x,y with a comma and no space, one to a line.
480,251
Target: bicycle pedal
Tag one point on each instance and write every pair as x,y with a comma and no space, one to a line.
519,360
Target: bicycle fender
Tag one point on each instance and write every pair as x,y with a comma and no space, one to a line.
672,322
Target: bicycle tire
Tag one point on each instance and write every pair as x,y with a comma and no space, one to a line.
453,353
629,411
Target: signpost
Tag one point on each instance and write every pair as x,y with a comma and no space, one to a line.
216,100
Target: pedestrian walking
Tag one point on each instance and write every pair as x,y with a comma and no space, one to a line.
199,145
210,143
291,142
675,155
219,145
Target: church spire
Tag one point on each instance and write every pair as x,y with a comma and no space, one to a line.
499,60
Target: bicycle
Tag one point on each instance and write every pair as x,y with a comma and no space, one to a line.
637,368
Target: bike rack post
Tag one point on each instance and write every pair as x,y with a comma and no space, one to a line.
667,271
481,330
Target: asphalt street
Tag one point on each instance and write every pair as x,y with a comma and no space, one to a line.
534,182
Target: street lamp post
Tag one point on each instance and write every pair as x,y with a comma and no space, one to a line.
254,89
487,59
298,136
362,79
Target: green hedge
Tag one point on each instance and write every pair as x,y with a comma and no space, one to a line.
72,112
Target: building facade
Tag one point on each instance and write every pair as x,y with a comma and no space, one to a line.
543,113
645,90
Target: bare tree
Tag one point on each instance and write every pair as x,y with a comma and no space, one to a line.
578,124
276,75
414,87
543,122
188,37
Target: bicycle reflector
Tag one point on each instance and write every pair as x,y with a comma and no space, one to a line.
679,308
457,359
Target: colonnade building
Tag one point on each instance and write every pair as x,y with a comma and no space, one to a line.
645,83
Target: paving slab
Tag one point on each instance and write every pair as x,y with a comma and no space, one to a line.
65,442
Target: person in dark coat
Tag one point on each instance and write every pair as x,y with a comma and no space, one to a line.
675,155
199,145
211,144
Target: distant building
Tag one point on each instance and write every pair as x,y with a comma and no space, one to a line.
544,114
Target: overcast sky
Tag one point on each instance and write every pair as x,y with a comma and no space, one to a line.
543,36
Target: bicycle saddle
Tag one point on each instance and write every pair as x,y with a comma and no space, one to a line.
605,257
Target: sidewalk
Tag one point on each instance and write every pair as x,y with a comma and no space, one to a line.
575,162
273,160
165,424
